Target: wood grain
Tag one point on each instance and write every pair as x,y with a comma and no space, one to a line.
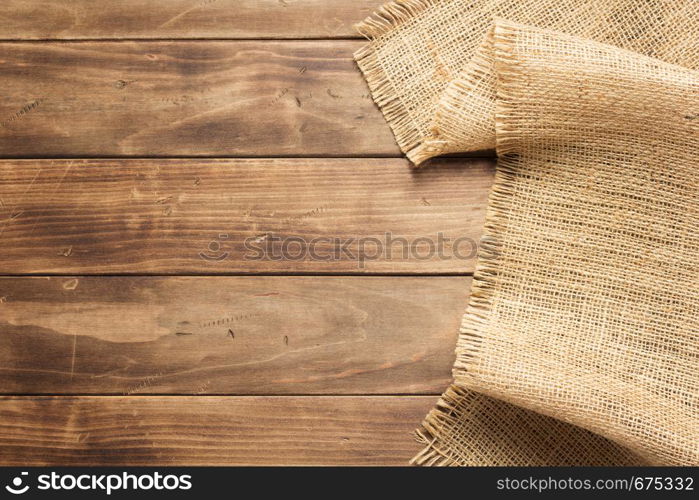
228,335
242,216
205,98
202,430
84,19
215,370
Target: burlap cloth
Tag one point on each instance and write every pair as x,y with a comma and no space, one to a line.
579,345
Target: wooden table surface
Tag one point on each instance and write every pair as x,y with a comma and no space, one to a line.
144,147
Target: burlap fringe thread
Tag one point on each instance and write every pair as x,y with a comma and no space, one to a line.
420,148
388,17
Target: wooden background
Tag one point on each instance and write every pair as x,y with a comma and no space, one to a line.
134,137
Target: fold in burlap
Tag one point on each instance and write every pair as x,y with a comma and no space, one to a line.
585,304
468,428
579,346
438,98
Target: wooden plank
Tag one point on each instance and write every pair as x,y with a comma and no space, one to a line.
85,19
201,430
229,335
196,98
242,216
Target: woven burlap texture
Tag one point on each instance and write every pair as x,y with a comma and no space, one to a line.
579,346
438,96
468,428
585,303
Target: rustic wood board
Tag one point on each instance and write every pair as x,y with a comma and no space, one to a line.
278,139
195,98
195,216
85,19
229,335
205,430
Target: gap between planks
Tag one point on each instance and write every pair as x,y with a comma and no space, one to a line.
319,274
183,39
219,395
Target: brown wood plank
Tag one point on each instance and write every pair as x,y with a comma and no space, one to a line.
81,19
204,430
241,216
196,98
229,335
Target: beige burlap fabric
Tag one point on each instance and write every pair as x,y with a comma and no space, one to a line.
580,343
439,98
468,428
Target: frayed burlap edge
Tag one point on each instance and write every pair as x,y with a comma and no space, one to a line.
487,266
497,215
430,431
384,20
478,311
